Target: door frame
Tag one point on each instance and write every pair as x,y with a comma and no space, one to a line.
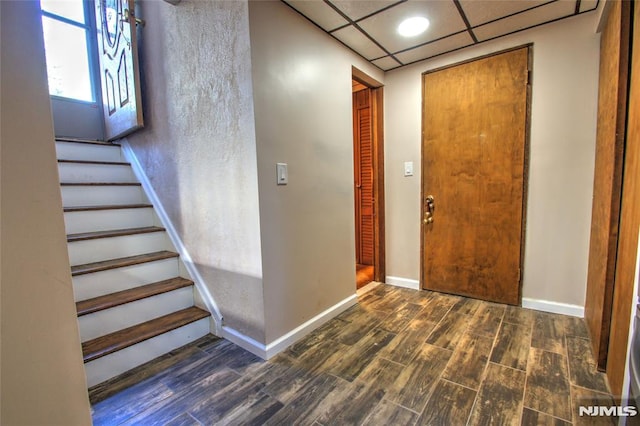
377,133
527,150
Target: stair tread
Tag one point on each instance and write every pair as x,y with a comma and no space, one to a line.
109,163
83,236
87,141
113,342
107,301
100,184
104,265
107,207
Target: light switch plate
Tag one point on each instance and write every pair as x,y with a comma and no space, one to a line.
408,168
282,174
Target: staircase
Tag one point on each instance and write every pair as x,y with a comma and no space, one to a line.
133,304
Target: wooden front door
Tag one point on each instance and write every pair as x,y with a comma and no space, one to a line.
119,71
473,167
363,166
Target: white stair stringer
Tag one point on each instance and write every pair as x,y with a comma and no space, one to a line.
126,272
186,260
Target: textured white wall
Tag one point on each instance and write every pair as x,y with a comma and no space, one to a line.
43,379
302,101
198,146
563,124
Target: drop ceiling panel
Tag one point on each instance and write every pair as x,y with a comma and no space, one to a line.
361,8
586,5
444,45
386,63
526,19
319,12
359,42
480,12
444,17
379,19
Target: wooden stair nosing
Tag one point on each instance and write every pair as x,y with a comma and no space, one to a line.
84,236
112,300
87,141
113,342
107,207
107,163
100,184
105,265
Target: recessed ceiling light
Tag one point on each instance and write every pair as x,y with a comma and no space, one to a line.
411,27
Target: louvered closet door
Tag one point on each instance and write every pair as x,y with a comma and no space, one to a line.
363,157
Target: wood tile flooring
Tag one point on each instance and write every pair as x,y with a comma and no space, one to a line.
398,357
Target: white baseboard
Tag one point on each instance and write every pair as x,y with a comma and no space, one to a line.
283,342
185,257
553,307
403,282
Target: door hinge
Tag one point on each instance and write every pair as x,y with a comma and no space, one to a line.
529,77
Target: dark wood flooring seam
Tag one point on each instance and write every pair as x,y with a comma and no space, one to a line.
457,384
402,406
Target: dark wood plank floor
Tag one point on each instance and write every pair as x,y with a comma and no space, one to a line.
398,357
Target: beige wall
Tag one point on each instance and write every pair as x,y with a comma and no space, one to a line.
198,146
43,380
302,101
564,105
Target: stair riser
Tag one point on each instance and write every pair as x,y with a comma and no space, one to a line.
105,282
104,220
87,152
127,315
100,249
111,365
73,196
82,173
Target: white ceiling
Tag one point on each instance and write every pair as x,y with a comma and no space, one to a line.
368,27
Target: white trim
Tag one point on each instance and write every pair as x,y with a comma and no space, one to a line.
245,342
553,307
367,288
185,257
403,282
283,342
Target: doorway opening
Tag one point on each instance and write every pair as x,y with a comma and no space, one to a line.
92,61
368,155
69,30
